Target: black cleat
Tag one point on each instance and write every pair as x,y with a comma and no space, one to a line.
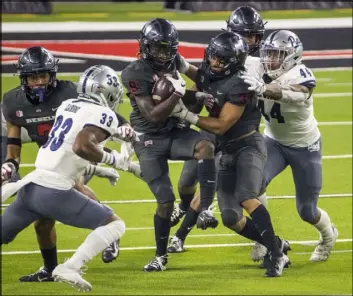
276,265
206,220
110,253
284,247
177,214
42,275
157,264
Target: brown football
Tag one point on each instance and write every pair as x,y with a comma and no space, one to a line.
162,90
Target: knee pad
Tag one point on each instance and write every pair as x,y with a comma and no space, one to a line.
165,210
162,189
230,217
205,149
307,212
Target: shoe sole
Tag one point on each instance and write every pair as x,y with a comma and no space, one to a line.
175,251
80,287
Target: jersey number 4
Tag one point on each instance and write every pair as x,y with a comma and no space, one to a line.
55,141
275,112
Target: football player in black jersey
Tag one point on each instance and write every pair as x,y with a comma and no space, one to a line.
236,122
160,137
31,107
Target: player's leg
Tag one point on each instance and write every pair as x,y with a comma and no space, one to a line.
275,164
249,168
155,171
306,164
187,188
73,208
191,144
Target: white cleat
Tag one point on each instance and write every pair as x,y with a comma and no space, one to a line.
258,252
64,274
323,249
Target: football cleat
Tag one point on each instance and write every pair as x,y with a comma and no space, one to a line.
157,264
177,214
323,249
276,265
258,252
206,220
110,253
71,276
42,275
284,247
176,245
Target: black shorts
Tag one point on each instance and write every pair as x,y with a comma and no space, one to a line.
241,171
153,152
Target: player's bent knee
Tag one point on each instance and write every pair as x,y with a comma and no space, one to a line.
165,210
204,150
44,226
230,217
162,189
308,212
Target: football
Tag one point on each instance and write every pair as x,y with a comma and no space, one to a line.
162,90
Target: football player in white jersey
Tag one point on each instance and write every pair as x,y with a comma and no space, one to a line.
293,139
81,128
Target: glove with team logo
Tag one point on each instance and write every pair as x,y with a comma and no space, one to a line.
8,171
178,84
205,99
256,85
180,111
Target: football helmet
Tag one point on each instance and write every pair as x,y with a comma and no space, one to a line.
280,52
101,84
34,61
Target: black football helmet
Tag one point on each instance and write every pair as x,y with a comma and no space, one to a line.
231,51
159,43
37,60
245,20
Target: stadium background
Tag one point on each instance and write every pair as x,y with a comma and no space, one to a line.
217,261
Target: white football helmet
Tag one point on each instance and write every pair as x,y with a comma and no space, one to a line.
101,84
280,52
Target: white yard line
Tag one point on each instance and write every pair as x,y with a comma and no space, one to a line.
311,242
138,201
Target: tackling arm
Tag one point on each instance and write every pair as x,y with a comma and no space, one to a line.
13,142
294,93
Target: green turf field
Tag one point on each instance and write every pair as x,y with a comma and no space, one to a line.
206,268
138,11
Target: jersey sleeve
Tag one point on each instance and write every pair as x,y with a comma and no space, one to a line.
239,94
303,76
7,110
136,81
103,118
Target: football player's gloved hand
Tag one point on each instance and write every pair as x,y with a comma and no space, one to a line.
183,64
256,85
8,171
111,174
135,169
120,162
180,111
205,99
126,133
178,84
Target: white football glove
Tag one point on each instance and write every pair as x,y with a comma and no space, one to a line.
8,171
135,169
178,84
111,174
205,99
256,85
125,133
121,162
180,111
126,150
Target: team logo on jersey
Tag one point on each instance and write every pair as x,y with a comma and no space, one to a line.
314,147
19,113
148,143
